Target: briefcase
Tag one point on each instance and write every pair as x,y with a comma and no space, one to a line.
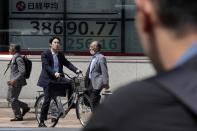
59,86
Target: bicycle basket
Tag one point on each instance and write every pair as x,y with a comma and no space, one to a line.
80,84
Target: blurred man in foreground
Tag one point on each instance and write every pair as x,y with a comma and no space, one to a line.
167,101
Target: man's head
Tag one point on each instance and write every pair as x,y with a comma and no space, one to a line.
54,43
14,48
94,47
166,28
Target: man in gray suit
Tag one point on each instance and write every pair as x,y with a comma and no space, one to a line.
16,82
97,74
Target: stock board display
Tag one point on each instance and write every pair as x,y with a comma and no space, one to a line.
76,22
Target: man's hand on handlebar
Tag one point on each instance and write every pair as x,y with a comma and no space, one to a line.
57,75
78,71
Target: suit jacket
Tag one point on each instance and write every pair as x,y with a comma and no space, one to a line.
47,72
166,102
17,70
99,72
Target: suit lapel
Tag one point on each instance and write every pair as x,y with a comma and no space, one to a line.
14,58
94,63
50,57
59,60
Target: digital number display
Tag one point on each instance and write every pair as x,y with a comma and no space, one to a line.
81,33
82,44
37,19
99,28
46,28
38,27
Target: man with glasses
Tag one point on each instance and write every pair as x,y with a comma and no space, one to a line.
97,76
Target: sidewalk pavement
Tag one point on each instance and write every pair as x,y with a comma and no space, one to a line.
70,121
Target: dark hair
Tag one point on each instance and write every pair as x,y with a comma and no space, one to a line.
16,47
99,46
177,14
52,38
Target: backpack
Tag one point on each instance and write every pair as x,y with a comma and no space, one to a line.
28,66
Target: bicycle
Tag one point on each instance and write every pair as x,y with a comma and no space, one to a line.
58,108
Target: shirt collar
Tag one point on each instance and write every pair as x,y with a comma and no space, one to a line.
95,55
190,52
53,53
15,55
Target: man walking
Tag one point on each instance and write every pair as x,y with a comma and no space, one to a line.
97,76
16,82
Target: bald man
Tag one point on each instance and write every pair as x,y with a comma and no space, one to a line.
97,76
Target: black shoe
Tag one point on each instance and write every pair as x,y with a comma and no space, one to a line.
17,119
25,111
42,124
53,120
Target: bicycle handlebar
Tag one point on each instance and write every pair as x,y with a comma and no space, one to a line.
71,77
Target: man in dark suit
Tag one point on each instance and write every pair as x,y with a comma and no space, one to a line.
52,69
166,101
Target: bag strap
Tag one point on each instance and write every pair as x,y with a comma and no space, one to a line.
24,57
8,66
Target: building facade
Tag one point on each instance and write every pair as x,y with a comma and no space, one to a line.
31,23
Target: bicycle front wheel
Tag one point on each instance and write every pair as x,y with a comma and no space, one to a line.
84,109
53,113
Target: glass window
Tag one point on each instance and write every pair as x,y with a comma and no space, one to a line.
132,45
76,22
88,20
33,22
